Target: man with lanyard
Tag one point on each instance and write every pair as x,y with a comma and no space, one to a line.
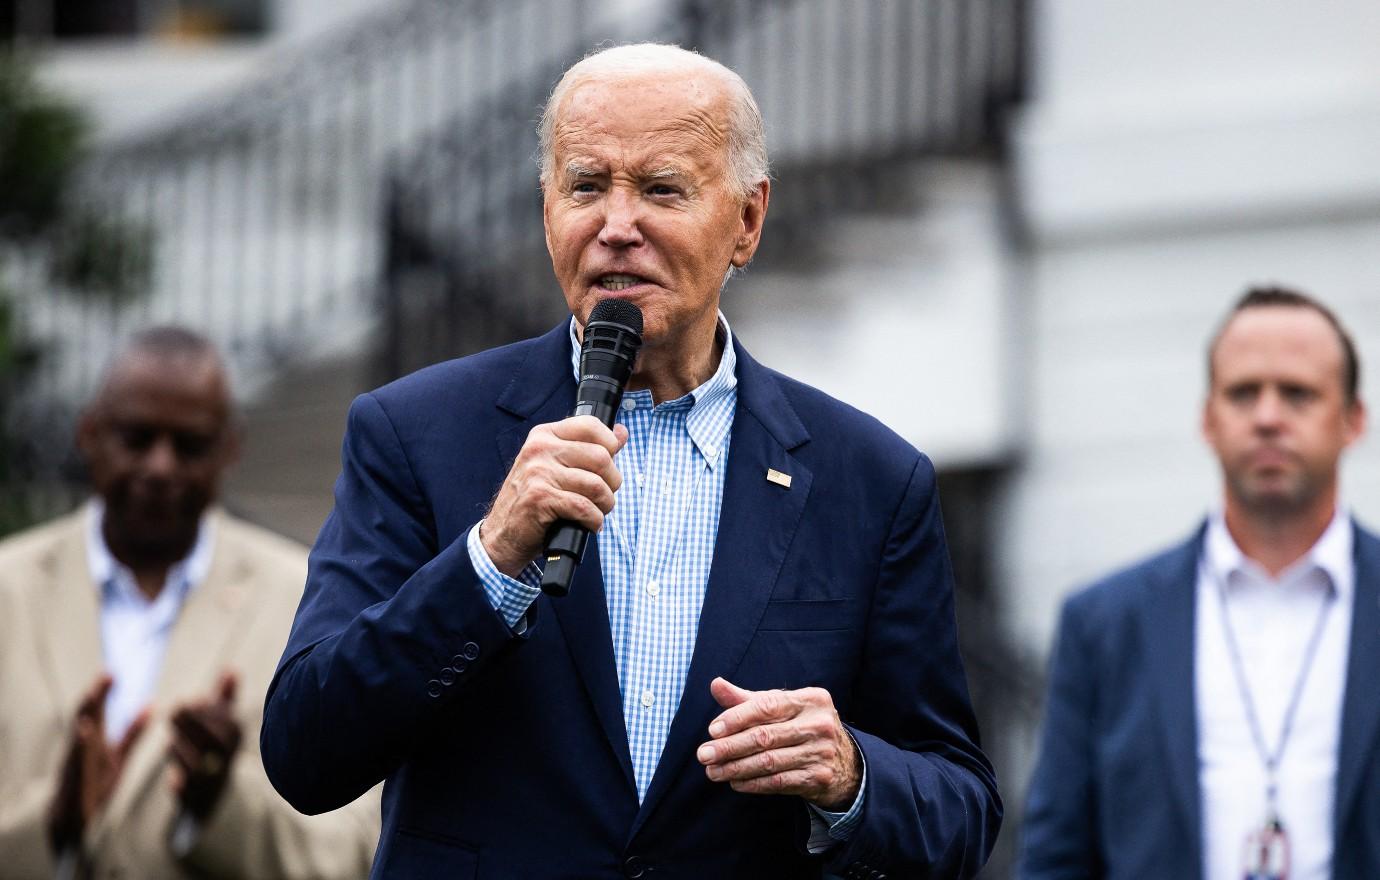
1211,710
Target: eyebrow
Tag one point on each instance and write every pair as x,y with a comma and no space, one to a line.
576,169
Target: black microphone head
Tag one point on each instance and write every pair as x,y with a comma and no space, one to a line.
617,311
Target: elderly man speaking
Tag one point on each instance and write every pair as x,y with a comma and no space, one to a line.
755,672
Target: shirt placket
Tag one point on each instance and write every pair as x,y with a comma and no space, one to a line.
652,625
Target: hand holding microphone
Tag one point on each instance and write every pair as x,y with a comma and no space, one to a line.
561,484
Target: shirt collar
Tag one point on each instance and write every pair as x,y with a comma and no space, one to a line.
710,416
1332,553
187,573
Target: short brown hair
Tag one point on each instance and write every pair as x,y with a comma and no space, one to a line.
1262,297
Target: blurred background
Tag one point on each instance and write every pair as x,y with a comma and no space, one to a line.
1005,227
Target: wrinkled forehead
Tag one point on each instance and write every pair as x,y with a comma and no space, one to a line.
625,104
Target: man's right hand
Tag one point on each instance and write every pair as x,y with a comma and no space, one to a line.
563,471
91,769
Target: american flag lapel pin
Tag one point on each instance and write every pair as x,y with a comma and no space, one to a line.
780,479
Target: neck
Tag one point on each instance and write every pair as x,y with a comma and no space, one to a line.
150,569
673,371
151,579
1277,542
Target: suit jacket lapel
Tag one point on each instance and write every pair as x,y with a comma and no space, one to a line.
1169,618
544,391
1360,709
67,614
213,618
756,525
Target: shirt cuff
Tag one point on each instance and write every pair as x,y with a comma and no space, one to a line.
828,828
510,597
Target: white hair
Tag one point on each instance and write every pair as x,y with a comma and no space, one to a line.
747,138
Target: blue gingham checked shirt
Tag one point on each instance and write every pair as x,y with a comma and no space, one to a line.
655,550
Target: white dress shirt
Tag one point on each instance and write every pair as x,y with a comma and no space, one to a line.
1273,621
134,628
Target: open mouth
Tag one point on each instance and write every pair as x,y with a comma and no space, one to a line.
615,283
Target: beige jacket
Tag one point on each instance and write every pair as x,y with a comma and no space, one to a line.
50,653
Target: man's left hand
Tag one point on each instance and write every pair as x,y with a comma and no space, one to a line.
205,740
782,742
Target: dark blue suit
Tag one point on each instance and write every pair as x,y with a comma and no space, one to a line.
1115,793
506,755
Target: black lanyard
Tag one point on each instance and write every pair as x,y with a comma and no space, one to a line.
1270,759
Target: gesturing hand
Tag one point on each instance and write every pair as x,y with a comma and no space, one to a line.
91,769
205,740
782,742
563,471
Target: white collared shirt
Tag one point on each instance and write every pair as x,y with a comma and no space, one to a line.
1273,621
134,628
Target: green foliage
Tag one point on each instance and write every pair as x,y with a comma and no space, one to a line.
98,255
41,139
17,359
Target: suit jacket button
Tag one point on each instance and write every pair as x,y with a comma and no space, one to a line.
433,688
634,867
447,676
471,651
458,663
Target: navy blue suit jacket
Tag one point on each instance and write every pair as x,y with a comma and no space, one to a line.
1115,793
505,755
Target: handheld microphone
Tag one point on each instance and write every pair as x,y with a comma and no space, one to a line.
613,334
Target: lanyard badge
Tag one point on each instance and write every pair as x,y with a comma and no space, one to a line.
1266,853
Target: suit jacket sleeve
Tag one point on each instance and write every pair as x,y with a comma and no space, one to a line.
254,834
932,807
1060,835
23,826
391,631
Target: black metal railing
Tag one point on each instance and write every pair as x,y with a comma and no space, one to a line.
850,91
260,216
385,173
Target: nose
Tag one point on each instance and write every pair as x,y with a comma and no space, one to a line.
1269,411
161,458
621,215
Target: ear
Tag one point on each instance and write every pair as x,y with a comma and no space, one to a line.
751,215
86,433
234,444
1355,417
546,216
1206,425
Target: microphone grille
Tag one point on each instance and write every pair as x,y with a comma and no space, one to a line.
617,311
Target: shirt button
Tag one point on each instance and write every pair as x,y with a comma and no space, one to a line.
641,478
648,698
629,403
653,588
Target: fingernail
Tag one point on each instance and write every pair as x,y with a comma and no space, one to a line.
715,772
705,754
716,728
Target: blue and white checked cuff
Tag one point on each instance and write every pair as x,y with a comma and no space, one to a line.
510,597
828,828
